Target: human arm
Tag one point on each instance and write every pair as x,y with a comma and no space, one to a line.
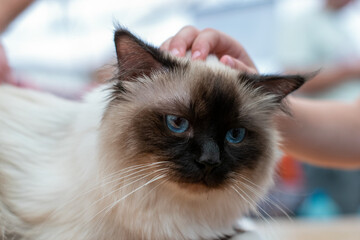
321,133
10,9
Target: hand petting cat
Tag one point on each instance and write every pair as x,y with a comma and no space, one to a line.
210,41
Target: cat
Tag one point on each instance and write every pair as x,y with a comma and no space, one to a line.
168,149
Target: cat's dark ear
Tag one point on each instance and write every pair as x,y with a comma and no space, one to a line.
136,58
279,85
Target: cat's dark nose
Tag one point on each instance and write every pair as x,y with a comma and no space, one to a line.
210,156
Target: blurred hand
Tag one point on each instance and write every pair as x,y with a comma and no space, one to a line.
209,41
5,71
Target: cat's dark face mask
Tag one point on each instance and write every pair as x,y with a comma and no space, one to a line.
209,126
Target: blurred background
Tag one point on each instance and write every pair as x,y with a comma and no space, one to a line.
59,46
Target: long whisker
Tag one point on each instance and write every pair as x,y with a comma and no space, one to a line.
120,175
151,190
239,188
128,184
108,208
277,204
260,210
135,190
250,202
240,195
134,167
268,201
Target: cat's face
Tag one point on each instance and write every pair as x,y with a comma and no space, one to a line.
203,127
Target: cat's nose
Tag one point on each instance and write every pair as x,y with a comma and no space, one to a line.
208,165
210,156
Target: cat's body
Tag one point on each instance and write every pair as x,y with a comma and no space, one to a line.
58,161
109,168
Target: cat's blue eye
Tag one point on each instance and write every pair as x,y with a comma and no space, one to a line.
235,135
177,124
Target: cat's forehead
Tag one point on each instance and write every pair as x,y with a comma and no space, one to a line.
195,89
199,91
214,91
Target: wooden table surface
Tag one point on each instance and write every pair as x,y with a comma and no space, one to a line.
344,228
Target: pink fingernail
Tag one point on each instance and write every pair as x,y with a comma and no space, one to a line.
228,61
175,52
196,55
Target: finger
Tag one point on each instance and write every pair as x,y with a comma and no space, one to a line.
237,64
206,42
183,40
212,41
231,47
165,45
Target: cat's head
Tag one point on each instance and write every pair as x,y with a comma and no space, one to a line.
200,126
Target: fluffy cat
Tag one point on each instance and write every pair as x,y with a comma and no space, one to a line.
166,150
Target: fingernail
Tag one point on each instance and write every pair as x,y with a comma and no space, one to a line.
228,61
175,52
195,55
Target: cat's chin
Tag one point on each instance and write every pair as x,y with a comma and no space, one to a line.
199,187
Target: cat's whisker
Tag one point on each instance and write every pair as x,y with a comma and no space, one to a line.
138,178
259,207
98,187
250,182
252,189
266,199
120,174
151,190
124,178
259,211
135,190
140,167
241,196
252,203
108,208
134,167
118,178
261,188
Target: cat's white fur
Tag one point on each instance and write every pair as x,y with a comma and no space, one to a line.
51,171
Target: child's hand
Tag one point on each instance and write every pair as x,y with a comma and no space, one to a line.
209,41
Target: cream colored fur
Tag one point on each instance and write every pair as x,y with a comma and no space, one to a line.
55,159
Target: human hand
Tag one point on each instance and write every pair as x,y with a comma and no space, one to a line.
210,41
5,71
